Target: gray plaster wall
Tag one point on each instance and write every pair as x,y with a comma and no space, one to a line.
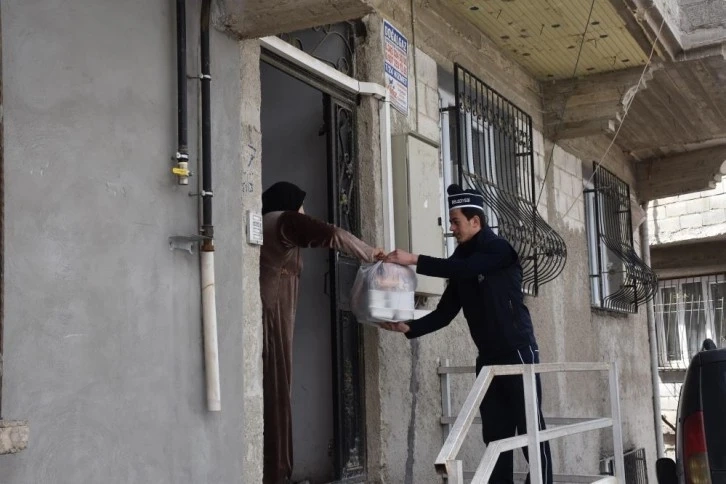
404,397
103,340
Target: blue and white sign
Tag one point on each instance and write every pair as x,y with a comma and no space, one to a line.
396,66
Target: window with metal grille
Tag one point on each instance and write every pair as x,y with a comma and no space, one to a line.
636,469
687,311
619,279
492,145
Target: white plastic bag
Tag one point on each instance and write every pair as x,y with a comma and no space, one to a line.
383,292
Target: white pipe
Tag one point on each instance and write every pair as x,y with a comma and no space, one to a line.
652,343
389,231
209,321
372,89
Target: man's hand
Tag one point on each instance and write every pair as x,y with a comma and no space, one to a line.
396,327
402,257
379,254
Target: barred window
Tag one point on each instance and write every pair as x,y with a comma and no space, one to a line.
619,279
688,311
490,141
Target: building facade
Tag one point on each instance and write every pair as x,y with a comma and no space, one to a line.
686,235
556,114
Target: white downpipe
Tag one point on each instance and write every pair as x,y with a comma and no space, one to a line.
389,232
209,321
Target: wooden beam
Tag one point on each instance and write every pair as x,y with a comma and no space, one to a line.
680,173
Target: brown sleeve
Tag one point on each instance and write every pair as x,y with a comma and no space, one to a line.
299,230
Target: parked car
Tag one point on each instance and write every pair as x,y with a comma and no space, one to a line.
701,427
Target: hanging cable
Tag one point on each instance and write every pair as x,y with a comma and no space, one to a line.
564,105
628,104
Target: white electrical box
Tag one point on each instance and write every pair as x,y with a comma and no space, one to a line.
417,192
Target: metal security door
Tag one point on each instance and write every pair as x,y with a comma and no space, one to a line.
348,391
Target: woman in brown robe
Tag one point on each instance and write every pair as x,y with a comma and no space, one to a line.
286,230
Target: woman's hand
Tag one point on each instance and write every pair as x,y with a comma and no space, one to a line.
379,254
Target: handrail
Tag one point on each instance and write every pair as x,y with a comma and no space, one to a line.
446,461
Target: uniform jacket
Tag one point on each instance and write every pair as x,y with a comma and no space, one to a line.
485,280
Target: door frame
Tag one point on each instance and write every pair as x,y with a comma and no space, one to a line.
340,92
307,68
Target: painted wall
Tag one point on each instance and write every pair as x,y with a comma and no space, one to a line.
103,338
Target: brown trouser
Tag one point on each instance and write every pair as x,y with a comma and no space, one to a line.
277,373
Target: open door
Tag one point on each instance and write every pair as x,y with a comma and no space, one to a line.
348,390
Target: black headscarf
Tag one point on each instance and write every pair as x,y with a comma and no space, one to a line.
282,196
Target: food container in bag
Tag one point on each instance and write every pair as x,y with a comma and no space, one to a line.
384,292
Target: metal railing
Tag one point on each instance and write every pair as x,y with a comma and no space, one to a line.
456,429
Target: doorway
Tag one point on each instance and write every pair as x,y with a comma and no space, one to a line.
308,139
294,149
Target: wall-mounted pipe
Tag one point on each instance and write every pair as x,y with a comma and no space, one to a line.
181,169
209,299
652,343
387,159
384,116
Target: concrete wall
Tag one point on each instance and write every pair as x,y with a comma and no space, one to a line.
103,340
695,23
404,402
688,259
702,22
688,217
670,9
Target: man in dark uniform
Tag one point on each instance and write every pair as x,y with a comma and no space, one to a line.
485,280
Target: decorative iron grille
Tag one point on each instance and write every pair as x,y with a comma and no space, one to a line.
332,44
495,156
623,280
